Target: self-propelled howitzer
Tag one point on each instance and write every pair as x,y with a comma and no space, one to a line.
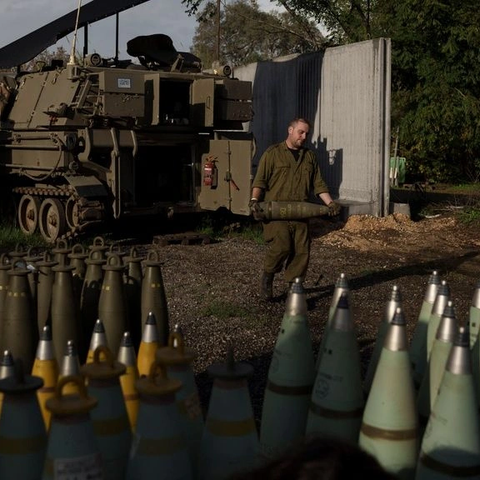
100,139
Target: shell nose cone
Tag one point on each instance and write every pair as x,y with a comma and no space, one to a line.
296,300
393,303
432,287
7,365
443,289
443,295
434,278
99,336
396,338
99,327
342,319
46,335
342,281
447,330
459,361
396,295
126,340
70,363
7,359
462,338
45,345
151,320
71,349
150,332
126,352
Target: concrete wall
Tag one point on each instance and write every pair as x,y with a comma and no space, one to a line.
345,92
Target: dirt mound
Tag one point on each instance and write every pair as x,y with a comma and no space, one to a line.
398,222
398,232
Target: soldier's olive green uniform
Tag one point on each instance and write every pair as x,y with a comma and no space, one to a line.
285,179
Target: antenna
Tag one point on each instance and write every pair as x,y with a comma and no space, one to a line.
71,61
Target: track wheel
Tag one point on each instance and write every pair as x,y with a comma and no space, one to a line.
52,220
72,213
27,213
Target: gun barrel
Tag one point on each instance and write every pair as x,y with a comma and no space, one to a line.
290,210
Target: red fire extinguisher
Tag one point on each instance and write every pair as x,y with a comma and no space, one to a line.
210,173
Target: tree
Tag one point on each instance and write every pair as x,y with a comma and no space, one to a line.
436,85
346,21
45,58
250,35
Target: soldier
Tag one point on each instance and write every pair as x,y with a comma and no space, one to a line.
288,172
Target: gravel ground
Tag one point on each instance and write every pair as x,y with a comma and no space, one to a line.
212,290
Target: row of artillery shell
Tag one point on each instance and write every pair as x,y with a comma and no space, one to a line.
71,302
381,412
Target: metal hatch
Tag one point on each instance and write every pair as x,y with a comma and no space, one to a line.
202,102
233,159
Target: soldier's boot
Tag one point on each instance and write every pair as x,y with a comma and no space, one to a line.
266,286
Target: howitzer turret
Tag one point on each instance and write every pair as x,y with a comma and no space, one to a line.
289,211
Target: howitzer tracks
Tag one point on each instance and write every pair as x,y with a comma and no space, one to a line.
56,212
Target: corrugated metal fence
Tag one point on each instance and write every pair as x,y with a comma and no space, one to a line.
345,92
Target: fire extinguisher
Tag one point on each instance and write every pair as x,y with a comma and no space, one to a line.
210,173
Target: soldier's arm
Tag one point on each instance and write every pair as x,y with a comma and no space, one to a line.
257,193
325,196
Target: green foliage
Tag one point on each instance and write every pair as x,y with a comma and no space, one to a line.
252,231
465,188
345,21
11,236
218,226
436,85
469,215
248,34
207,227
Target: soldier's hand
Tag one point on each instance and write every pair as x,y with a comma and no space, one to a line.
255,208
333,209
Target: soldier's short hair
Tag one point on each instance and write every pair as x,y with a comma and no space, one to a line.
294,122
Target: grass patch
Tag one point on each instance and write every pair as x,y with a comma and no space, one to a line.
250,230
226,225
464,189
469,215
254,233
207,226
11,237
